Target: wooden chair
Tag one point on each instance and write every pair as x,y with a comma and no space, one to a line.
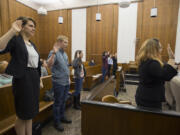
113,99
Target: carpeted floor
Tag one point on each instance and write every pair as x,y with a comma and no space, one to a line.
75,127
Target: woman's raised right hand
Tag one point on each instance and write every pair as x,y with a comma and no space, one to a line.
172,63
17,25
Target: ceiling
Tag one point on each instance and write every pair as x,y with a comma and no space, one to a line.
50,5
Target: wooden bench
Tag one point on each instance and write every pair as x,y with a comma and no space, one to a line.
7,113
100,118
86,63
93,76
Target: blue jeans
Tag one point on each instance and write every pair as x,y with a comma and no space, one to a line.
60,96
78,86
104,71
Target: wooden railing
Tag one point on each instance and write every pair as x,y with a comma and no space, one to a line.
100,118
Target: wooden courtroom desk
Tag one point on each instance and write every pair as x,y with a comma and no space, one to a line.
100,118
172,91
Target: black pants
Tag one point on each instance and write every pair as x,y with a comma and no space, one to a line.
109,70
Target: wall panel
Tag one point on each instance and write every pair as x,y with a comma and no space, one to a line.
4,23
79,32
101,35
50,29
127,27
163,27
17,9
177,49
10,10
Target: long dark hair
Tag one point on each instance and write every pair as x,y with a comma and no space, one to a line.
104,53
78,52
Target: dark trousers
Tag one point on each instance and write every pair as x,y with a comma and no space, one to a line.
104,72
78,86
114,71
60,96
109,70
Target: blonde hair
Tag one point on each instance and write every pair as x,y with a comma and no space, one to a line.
61,38
150,49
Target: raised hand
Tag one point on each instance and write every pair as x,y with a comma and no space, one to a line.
56,47
172,63
170,52
178,67
17,25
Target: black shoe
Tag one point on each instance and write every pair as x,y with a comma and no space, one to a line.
77,102
59,127
65,120
77,107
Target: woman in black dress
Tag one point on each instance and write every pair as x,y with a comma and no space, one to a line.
153,73
24,66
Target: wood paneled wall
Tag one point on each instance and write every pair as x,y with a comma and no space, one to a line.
17,9
47,28
4,22
163,27
10,10
50,29
101,35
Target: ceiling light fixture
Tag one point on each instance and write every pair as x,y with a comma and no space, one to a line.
42,11
98,14
154,11
124,3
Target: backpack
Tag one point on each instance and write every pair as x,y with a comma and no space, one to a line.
49,95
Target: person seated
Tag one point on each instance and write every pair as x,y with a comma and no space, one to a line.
91,63
4,78
152,75
43,68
